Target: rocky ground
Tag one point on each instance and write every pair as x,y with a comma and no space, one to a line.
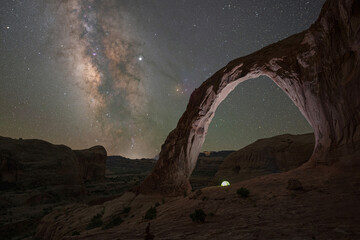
37,177
305,203
323,206
327,207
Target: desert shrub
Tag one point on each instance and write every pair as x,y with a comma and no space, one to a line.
126,210
75,233
115,221
211,214
198,216
151,213
95,222
157,204
243,192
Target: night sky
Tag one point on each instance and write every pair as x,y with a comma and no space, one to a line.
120,73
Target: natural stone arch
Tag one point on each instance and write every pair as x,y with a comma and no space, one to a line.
319,69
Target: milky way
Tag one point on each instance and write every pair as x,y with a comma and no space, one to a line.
103,55
120,73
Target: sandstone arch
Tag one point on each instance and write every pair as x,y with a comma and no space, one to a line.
319,69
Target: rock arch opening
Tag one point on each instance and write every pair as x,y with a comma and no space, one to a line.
255,109
319,69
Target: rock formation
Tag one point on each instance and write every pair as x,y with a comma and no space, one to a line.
92,163
35,163
266,156
319,69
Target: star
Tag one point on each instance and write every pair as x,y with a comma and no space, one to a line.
140,58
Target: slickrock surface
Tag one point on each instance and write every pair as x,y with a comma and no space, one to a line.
327,208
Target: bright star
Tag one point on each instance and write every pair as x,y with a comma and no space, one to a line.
140,58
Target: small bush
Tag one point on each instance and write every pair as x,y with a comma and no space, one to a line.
211,214
151,213
95,222
157,204
75,233
243,192
198,216
113,222
126,210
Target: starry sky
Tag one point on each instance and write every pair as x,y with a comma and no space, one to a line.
120,73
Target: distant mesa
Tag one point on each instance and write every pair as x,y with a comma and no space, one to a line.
319,69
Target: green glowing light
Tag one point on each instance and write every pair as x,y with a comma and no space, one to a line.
225,183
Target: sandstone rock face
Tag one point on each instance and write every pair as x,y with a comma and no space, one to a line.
266,156
36,163
92,163
319,69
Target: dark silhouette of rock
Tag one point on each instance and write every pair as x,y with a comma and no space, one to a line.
36,163
266,156
319,69
92,163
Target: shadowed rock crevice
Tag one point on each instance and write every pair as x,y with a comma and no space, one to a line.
317,68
